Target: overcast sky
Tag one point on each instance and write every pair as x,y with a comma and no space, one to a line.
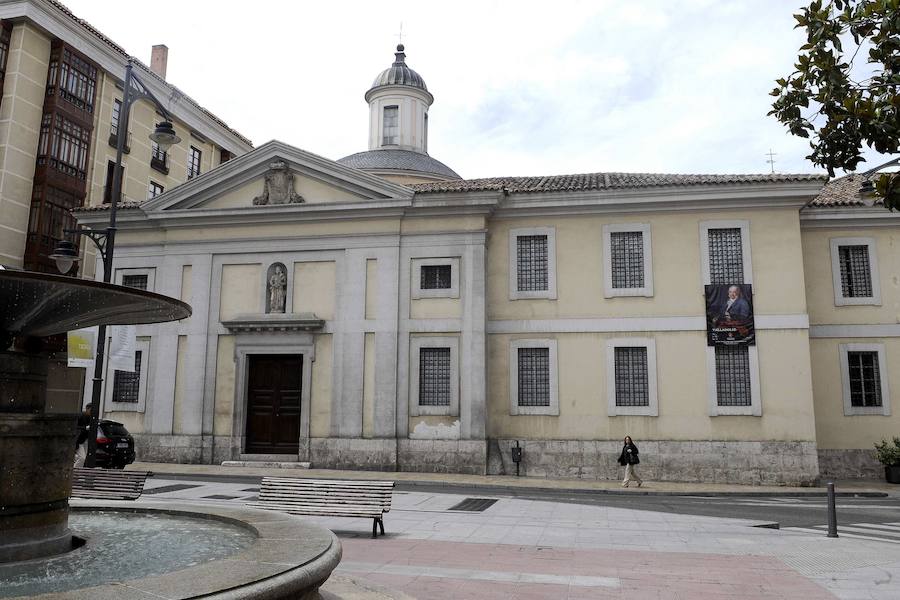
521,88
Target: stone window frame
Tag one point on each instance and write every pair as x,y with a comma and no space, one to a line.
849,409
415,346
755,407
142,346
514,408
744,226
416,278
839,298
613,410
150,272
608,290
155,189
513,267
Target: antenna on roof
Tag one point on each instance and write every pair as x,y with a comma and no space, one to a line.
771,159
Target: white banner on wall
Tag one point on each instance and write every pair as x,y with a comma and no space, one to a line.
121,348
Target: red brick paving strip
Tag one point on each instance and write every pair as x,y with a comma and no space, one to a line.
642,575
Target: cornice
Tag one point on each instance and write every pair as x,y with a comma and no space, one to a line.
842,217
57,24
274,322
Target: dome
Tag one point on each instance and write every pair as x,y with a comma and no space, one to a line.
399,160
399,74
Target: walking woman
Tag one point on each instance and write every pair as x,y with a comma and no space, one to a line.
629,458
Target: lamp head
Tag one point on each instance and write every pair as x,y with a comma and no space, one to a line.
165,136
65,255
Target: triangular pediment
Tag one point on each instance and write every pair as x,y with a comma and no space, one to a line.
277,175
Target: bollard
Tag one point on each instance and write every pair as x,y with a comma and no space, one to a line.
832,513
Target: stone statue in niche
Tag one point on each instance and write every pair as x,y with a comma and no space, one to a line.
276,288
279,186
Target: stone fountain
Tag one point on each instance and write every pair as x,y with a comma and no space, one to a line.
269,555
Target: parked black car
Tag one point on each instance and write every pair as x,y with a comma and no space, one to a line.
115,446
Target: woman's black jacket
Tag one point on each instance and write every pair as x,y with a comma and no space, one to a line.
629,458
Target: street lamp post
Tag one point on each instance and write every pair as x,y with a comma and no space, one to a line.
66,253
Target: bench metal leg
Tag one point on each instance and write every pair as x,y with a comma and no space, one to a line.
377,524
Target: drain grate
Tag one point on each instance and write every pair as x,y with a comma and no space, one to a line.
170,488
474,504
221,497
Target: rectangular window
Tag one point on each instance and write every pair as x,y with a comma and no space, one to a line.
434,377
391,126
135,281
534,377
726,256
193,163
733,381
154,190
856,275
531,263
865,378
126,386
114,120
108,188
627,256
435,277
632,382
5,31
63,145
72,78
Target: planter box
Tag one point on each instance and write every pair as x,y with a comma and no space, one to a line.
892,473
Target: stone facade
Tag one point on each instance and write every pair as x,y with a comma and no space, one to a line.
752,463
849,464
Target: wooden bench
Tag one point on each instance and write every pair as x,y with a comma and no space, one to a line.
108,484
327,498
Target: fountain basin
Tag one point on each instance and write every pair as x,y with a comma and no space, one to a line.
261,554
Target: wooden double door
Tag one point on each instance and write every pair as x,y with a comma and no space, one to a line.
273,403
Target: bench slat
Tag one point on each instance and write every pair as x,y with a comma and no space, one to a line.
108,484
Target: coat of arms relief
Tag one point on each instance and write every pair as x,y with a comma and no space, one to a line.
278,187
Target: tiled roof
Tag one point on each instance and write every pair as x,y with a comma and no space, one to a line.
601,181
843,191
145,69
398,160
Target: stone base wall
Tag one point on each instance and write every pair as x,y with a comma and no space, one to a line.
168,448
443,456
356,454
748,463
849,464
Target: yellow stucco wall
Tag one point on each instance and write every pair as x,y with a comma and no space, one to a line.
433,225
239,294
369,386
180,382
787,407
371,288
314,288
819,283
187,285
678,289
224,406
833,428
320,394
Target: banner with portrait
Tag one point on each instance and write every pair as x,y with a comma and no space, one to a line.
729,314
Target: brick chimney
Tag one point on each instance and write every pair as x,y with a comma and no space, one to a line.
158,59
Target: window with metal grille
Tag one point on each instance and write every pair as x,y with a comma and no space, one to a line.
632,386
193,162
391,126
135,281
627,258
127,386
435,277
114,120
865,379
856,274
531,263
154,190
534,376
726,256
733,376
434,377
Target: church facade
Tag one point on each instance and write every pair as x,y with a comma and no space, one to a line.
380,312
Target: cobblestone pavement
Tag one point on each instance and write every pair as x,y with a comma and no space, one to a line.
523,549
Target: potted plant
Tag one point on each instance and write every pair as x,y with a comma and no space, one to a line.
888,454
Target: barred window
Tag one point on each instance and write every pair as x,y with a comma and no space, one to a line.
154,190
632,385
74,77
434,377
865,379
126,386
135,281
532,263
114,120
63,145
627,258
726,256
435,277
193,162
733,375
856,274
391,126
534,376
